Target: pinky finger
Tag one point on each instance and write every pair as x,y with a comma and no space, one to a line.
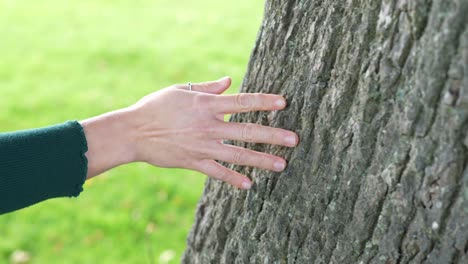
215,170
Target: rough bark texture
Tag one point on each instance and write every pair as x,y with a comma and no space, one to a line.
378,92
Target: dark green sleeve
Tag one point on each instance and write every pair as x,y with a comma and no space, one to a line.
40,164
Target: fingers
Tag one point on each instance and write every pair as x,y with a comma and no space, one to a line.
247,157
214,87
257,134
247,102
218,171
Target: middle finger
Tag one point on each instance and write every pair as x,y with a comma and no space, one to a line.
256,133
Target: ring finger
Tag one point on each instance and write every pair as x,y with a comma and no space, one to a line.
246,157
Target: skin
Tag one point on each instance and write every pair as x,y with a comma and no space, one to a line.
178,128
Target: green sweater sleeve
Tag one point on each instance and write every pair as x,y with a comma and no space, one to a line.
40,164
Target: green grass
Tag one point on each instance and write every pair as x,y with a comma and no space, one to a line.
69,60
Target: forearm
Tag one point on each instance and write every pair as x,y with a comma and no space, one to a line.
109,137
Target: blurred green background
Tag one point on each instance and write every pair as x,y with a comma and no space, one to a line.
67,60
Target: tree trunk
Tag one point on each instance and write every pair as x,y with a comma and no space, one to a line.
378,92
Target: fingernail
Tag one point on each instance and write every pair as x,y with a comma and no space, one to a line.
246,185
290,140
279,165
280,103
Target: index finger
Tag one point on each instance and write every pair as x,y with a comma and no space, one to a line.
247,102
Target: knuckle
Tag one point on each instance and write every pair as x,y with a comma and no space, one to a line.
201,99
193,164
207,130
238,157
224,176
278,136
248,132
264,161
244,101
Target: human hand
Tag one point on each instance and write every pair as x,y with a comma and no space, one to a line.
175,127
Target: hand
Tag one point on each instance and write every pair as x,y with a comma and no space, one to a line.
175,127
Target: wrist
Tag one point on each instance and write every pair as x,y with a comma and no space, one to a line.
123,133
110,139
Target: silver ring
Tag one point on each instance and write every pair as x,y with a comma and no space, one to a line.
189,86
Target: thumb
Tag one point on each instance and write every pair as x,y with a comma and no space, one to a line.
214,87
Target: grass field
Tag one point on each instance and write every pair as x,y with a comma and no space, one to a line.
69,60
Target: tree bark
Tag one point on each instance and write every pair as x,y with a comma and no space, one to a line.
378,92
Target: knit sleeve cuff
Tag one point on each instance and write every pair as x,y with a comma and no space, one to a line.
42,163
83,148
